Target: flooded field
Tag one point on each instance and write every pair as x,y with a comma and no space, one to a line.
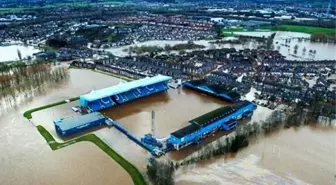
27,159
9,53
283,158
295,156
172,109
323,50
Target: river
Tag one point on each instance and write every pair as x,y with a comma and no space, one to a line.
304,155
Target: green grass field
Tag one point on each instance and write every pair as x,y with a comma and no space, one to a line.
302,29
228,32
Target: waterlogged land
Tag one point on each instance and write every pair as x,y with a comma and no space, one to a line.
323,50
276,158
280,158
28,158
19,82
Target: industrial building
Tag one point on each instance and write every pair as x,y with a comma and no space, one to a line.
123,92
66,127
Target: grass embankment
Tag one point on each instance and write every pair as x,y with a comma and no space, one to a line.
302,29
137,178
28,113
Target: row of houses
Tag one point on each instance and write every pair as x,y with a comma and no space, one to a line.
288,92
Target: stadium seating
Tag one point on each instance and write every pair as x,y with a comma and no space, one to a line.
124,92
130,96
138,93
94,105
106,102
119,98
231,123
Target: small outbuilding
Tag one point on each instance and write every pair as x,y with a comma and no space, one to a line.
66,127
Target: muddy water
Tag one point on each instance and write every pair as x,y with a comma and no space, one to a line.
295,156
289,157
173,109
25,158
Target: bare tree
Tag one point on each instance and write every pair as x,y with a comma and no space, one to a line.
19,54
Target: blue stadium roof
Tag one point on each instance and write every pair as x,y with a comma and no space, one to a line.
123,87
70,123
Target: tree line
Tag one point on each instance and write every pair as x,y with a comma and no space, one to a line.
161,172
167,48
293,117
17,79
322,37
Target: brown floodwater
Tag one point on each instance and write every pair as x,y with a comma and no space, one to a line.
173,109
25,158
304,155
294,156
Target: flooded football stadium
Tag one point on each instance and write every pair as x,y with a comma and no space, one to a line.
304,155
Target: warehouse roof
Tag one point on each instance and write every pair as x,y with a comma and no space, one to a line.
70,123
123,87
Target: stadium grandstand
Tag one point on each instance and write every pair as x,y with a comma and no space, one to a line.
225,92
224,118
123,92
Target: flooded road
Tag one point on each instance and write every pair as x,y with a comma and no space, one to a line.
306,155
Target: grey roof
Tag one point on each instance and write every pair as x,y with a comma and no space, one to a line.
70,123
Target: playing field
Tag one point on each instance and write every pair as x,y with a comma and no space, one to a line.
302,29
